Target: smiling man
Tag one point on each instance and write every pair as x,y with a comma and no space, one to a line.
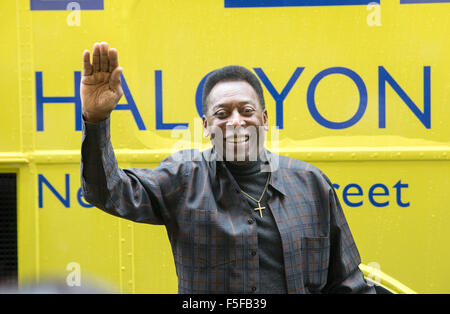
234,114
239,218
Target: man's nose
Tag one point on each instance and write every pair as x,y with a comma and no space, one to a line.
235,119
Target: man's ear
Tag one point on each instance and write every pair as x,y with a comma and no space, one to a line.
265,120
205,126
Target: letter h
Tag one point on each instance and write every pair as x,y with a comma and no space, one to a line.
40,100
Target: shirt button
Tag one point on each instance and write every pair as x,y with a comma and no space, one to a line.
250,221
253,253
253,289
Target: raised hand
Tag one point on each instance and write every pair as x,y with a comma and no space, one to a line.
101,87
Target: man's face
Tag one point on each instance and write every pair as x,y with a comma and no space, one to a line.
235,121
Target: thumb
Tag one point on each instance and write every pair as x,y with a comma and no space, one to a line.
115,81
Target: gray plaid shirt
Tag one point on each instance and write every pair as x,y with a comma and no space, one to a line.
210,226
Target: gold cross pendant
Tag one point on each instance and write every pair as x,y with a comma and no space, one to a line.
260,209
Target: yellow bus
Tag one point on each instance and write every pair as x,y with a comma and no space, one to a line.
357,88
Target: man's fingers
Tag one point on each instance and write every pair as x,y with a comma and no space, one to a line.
87,66
104,60
114,81
96,57
113,59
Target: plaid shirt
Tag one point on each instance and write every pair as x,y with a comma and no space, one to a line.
210,226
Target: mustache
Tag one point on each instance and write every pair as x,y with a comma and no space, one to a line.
230,132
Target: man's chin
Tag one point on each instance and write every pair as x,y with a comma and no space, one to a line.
245,156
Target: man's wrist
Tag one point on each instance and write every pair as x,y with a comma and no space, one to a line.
93,118
97,132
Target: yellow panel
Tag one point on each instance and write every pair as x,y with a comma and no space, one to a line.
153,260
72,234
9,87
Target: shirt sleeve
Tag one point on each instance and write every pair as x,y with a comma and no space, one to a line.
140,195
344,275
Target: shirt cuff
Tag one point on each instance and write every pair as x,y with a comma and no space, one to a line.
98,133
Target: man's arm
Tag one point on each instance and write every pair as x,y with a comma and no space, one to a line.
344,275
141,195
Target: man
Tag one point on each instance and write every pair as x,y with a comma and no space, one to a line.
240,219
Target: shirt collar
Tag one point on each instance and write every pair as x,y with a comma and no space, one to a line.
274,167
271,164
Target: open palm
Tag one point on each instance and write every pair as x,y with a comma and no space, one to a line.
101,87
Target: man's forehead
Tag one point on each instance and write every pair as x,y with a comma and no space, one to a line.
239,92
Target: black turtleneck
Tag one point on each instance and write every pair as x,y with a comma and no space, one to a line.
271,265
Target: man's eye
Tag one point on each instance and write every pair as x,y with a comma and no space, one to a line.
221,113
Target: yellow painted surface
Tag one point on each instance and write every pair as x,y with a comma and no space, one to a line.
185,40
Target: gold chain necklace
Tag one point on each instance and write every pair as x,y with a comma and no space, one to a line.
262,195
